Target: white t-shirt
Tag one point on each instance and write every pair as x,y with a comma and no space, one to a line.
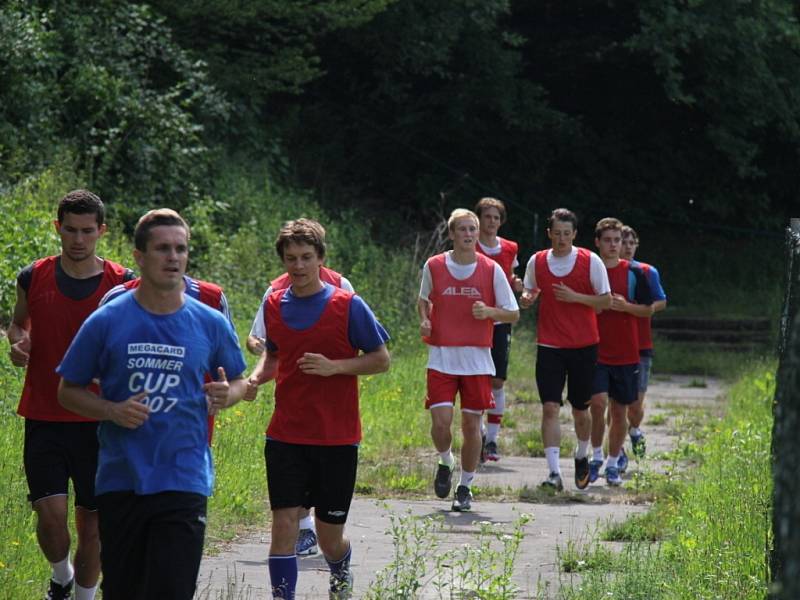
466,360
259,329
560,266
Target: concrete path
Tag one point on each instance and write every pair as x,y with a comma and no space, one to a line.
240,571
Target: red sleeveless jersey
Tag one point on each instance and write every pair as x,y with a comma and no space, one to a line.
565,324
452,323
505,258
644,323
311,409
325,274
619,333
55,319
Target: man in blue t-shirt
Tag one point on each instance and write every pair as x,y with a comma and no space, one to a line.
150,350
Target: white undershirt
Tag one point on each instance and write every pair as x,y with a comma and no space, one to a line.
560,266
466,360
495,250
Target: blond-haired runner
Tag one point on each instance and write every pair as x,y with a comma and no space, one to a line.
461,295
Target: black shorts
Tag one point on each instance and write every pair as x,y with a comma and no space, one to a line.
320,476
575,366
501,346
151,545
56,452
621,382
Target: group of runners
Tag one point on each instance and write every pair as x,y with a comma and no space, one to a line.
125,374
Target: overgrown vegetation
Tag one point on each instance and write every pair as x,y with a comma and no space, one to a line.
709,539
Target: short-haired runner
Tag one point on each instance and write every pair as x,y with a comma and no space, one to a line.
630,244
571,284
150,349
617,374
492,214
55,295
319,339
307,538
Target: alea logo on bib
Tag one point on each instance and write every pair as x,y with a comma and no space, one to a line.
471,292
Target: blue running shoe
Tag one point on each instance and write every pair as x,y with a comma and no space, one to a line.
622,461
638,445
306,543
341,588
594,470
612,477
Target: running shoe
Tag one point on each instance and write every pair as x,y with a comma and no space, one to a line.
553,482
612,477
594,470
490,452
638,445
443,482
306,543
341,588
622,461
581,472
59,592
463,499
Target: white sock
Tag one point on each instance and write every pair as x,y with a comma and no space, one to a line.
446,458
62,571
597,454
466,478
552,454
307,522
612,461
583,449
82,593
492,429
635,431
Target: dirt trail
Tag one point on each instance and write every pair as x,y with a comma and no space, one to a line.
240,572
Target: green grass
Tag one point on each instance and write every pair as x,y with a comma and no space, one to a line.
713,528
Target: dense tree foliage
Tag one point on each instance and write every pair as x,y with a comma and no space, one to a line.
654,110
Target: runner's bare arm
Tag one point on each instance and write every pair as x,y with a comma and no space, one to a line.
18,335
424,311
130,413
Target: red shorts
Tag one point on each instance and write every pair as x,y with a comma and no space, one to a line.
475,391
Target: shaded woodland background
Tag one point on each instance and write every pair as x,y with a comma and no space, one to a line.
681,117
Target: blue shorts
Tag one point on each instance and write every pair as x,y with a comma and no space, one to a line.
645,364
620,382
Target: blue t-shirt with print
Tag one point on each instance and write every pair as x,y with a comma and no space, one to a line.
132,350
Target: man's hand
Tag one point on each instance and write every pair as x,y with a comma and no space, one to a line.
480,311
619,303
317,364
20,352
425,328
528,298
516,284
217,392
564,293
130,413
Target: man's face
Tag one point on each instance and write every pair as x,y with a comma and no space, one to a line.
490,221
464,233
629,247
163,263
561,235
609,243
79,235
302,264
